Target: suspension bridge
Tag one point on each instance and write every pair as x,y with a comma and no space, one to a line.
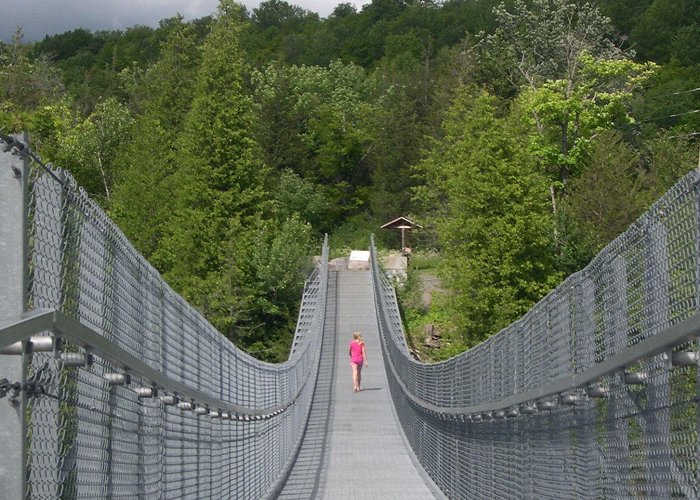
112,386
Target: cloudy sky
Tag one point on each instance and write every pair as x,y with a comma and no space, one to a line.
46,17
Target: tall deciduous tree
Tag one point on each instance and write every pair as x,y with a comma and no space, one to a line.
316,122
575,83
567,114
89,150
545,40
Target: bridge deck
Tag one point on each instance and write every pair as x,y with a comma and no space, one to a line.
353,447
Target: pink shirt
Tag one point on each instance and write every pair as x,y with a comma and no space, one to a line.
356,352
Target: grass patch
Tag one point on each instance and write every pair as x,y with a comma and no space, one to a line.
422,261
439,317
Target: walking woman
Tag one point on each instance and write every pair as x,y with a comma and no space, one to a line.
358,358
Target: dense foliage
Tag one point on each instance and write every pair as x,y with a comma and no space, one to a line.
522,135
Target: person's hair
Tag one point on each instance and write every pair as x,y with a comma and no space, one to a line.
358,336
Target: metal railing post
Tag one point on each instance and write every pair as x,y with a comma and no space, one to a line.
13,292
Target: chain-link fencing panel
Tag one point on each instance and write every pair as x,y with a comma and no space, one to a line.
592,394
99,427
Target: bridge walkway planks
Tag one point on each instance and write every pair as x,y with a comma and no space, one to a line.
360,452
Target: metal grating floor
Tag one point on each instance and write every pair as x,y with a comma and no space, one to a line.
361,452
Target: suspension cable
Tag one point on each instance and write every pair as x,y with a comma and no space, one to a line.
22,150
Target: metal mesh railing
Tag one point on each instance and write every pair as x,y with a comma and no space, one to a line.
592,394
140,397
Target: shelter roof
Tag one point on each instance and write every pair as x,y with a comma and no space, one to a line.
400,223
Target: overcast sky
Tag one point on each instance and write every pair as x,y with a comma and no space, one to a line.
47,17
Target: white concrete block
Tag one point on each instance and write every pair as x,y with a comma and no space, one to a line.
359,259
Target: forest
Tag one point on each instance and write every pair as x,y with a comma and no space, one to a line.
523,136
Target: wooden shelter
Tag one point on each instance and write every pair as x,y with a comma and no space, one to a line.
401,223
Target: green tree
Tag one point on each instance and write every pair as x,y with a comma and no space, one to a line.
605,199
398,136
667,157
616,186
26,83
666,104
89,150
545,40
220,173
624,13
94,64
281,32
565,114
294,195
226,248
271,262
316,122
487,202
147,184
668,29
